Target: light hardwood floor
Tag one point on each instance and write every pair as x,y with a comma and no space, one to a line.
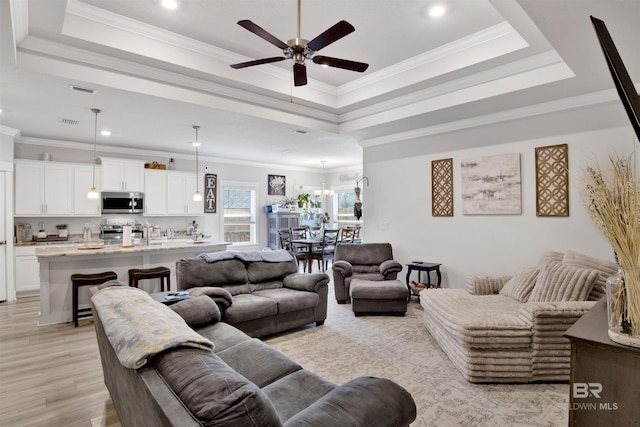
50,375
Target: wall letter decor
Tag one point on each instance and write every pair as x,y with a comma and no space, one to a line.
210,192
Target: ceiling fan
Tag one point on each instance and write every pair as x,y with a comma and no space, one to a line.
299,49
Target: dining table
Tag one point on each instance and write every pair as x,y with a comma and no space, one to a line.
308,245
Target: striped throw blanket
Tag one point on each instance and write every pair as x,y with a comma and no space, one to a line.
139,327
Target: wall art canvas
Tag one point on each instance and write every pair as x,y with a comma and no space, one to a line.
442,187
210,192
277,185
552,180
491,185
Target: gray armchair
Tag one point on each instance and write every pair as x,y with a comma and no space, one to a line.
367,261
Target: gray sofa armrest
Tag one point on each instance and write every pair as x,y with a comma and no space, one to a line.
343,267
310,282
486,285
221,296
364,401
390,266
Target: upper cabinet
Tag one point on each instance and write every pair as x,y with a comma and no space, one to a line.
122,174
180,189
43,188
155,192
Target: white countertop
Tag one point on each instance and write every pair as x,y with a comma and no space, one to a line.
81,250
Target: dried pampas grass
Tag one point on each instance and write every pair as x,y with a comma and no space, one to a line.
612,199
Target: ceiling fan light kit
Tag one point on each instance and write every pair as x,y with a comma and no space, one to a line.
299,49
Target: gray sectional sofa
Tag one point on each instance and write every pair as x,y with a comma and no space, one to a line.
511,328
259,292
181,366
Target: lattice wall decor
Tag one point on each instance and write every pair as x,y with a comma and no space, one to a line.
442,187
552,180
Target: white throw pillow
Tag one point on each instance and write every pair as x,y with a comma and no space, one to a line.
561,282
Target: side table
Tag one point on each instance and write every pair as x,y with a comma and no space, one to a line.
427,267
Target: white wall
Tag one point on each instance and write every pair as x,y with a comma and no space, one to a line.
398,207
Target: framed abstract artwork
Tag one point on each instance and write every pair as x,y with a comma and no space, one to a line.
277,185
491,185
552,180
442,187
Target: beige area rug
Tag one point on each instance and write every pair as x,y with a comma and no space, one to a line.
401,349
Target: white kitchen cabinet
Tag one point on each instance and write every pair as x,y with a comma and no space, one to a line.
82,182
180,189
43,189
27,271
155,193
122,174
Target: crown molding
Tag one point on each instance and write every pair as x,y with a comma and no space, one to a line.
115,150
133,27
5,130
565,104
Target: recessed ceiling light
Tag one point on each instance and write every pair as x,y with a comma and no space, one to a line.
437,11
169,4
105,133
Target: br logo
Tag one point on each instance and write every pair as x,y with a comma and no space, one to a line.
584,390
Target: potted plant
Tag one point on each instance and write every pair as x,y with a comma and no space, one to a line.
302,199
612,199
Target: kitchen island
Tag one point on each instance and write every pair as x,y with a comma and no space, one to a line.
57,264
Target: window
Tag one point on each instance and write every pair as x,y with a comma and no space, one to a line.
343,207
239,205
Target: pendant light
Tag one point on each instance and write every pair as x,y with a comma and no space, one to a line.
93,192
324,192
197,196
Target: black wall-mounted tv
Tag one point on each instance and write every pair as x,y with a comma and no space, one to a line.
630,99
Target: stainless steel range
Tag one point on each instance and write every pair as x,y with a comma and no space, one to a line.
112,233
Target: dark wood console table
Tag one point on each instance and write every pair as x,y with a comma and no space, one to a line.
605,376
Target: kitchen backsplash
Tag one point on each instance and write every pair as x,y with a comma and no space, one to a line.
76,225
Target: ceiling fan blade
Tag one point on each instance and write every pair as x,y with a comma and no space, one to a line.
340,63
299,74
261,32
334,33
258,62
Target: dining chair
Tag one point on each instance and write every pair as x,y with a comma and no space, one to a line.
285,238
327,249
347,234
300,251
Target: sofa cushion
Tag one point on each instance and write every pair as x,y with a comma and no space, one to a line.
262,271
249,307
213,392
519,287
296,392
606,269
289,300
223,335
192,272
265,365
561,282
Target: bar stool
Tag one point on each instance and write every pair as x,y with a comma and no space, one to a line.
78,280
161,273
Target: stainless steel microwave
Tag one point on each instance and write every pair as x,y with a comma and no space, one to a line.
122,202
